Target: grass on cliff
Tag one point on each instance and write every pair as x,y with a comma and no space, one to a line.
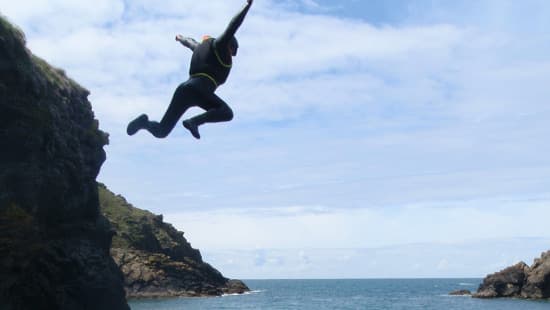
15,216
11,30
124,218
53,75
135,228
17,225
13,40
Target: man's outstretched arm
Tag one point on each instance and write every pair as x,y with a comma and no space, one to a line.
188,42
235,23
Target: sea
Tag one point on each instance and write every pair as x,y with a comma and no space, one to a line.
347,294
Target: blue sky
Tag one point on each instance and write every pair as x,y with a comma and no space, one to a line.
367,134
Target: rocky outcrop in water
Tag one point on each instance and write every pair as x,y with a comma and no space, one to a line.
54,243
155,258
460,293
519,281
538,279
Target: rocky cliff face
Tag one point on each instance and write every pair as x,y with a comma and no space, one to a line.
157,261
54,241
519,281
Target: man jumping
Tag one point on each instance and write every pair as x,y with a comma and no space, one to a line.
210,66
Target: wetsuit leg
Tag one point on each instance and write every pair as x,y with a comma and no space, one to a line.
183,98
216,110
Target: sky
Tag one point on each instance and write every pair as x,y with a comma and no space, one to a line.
371,139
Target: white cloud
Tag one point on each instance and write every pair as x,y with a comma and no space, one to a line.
138,54
459,260
307,227
54,17
443,264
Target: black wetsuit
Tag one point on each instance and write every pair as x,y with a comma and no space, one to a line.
210,66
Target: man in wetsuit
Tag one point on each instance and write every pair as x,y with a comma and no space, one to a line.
210,66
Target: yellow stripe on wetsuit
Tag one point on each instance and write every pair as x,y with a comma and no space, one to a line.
207,37
206,76
219,58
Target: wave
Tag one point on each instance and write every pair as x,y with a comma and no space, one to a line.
466,284
245,293
454,296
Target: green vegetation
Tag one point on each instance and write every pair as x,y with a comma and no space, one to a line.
136,228
15,215
11,30
14,41
16,224
54,76
129,222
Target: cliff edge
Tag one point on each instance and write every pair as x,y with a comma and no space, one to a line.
53,239
155,258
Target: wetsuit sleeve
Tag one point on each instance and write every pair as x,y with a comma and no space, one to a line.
190,43
235,23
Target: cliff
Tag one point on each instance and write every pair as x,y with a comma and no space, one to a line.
54,242
519,281
156,259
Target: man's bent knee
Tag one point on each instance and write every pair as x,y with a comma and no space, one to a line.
228,113
161,134
159,131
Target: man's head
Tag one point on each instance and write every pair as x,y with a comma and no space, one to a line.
233,46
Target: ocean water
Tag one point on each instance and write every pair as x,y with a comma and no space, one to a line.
347,294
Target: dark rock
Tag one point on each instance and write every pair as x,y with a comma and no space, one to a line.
460,293
505,283
235,287
519,281
155,258
538,279
53,239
